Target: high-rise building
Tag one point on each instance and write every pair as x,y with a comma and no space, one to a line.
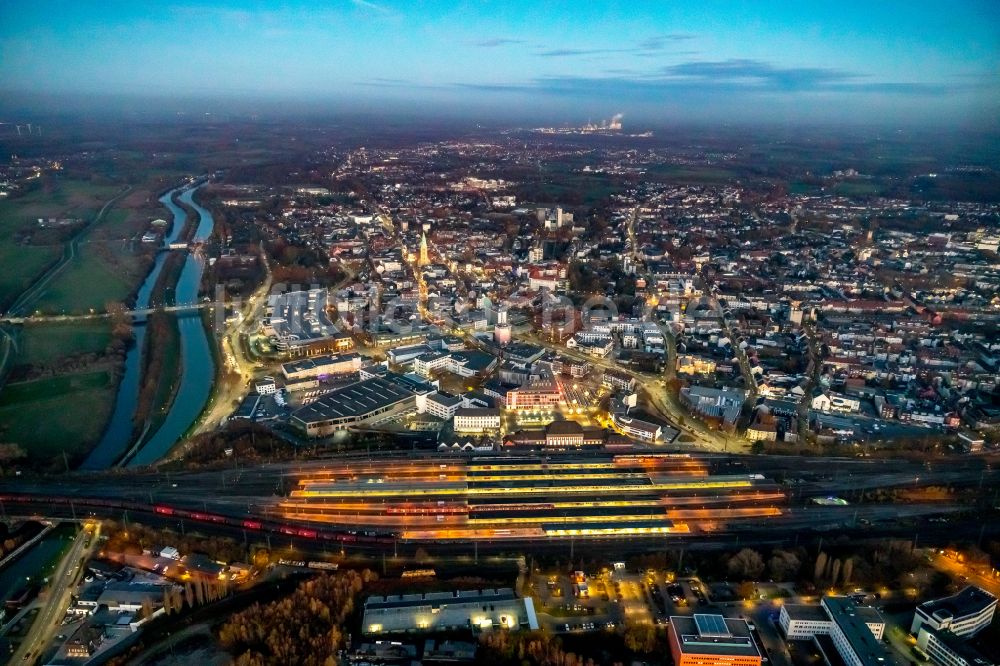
502,331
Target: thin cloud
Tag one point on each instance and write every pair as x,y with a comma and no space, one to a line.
498,41
757,72
650,46
369,6
730,76
563,53
660,42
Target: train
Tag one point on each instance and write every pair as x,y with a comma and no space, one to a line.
345,537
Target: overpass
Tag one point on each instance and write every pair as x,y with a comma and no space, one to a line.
135,314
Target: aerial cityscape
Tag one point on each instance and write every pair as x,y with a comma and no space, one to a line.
530,334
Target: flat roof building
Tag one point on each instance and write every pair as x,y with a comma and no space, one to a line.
853,630
856,632
297,323
946,649
365,402
803,621
964,614
318,366
439,611
712,640
476,419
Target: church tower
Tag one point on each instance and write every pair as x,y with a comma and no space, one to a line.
424,260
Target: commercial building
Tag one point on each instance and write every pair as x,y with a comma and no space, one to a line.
804,621
366,402
964,614
712,640
543,395
319,366
856,632
840,624
440,611
618,381
265,386
721,406
946,649
476,419
638,428
443,405
466,363
297,323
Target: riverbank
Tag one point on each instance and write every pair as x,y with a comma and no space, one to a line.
123,426
198,359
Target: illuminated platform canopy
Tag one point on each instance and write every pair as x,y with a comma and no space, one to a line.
496,498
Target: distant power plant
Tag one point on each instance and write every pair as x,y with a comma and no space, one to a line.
613,125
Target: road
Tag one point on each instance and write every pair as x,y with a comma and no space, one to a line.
57,597
232,355
964,572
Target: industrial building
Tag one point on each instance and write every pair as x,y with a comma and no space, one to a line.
365,402
480,610
712,640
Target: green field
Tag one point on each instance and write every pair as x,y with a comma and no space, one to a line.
93,278
49,416
49,342
53,198
57,198
856,188
693,174
21,265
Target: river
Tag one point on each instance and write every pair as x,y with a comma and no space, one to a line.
197,363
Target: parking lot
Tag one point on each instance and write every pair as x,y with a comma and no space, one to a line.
607,599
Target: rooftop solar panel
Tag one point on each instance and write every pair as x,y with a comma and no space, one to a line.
711,625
